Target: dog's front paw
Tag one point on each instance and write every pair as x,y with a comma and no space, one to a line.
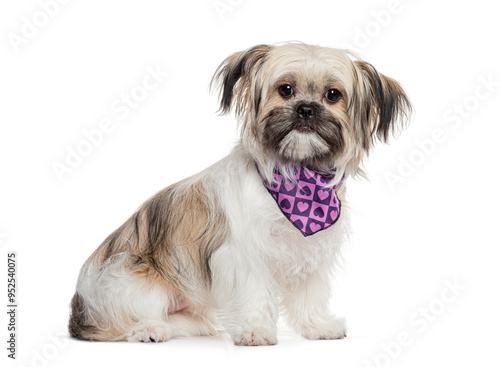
149,331
334,328
255,338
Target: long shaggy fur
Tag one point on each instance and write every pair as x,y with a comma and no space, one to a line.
216,247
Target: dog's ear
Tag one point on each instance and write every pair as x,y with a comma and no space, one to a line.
235,79
379,105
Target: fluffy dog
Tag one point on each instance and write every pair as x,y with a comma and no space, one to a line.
260,230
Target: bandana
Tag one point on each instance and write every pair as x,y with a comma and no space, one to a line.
307,203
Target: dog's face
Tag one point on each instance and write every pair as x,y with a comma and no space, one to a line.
309,105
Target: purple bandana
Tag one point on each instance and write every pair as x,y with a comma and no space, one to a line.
307,204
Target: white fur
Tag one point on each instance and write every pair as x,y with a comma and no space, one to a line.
297,145
116,297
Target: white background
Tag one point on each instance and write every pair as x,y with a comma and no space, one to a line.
437,224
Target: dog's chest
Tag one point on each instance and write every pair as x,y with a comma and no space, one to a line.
288,254
291,256
258,222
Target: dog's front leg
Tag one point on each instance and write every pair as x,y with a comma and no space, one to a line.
245,296
306,308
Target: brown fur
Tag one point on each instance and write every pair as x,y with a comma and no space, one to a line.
179,222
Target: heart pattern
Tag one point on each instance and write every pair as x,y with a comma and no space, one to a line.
306,202
314,227
289,186
306,191
323,194
285,203
318,212
302,206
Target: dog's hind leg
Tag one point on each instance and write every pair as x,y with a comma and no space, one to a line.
124,299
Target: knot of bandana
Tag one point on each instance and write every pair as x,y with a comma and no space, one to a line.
308,203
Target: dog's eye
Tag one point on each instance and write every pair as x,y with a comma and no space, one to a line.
333,95
285,90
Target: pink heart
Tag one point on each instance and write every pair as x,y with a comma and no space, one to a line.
333,214
323,194
308,173
302,206
289,186
314,227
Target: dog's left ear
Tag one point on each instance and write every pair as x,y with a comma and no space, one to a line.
236,80
379,105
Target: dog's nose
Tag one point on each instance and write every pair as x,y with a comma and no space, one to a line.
305,111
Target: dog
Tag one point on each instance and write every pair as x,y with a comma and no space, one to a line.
259,232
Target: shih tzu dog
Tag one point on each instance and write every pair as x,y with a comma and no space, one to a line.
259,231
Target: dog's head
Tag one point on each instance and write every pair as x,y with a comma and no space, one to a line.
309,105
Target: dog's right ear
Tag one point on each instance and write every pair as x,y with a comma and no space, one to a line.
380,106
235,80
